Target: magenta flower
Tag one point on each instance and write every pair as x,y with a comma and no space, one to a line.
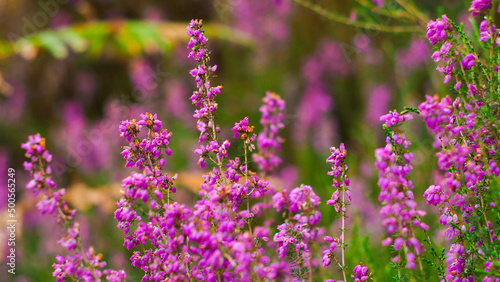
468,61
268,141
438,30
74,266
479,6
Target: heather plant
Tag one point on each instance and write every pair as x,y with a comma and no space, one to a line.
79,264
244,226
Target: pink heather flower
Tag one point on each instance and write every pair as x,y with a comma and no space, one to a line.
479,6
74,266
179,243
268,141
455,262
398,211
438,30
302,195
468,61
393,118
434,195
360,273
487,31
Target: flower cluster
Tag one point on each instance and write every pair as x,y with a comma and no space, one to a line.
467,143
438,31
479,6
214,240
360,273
399,211
148,151
193,244
488,31
268,141
204,96
300,229
79,264
393,118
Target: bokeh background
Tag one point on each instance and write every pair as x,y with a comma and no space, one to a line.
73,69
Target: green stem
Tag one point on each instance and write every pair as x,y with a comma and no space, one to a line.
364,25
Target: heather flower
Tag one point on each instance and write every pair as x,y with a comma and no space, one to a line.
268,141
456,262
399,211
155,146
487,31
303,198
297,233
434,195
479,6
393,118
468,61
204,97
438,30
180,243
340,181
360,273
79,264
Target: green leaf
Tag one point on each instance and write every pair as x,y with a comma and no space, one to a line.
52,43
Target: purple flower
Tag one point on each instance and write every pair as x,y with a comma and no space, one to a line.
434,195
438,30
268,141
479,6
398,210
74,266
360,273
393,118
455,262
468,61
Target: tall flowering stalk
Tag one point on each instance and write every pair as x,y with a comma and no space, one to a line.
342,196
399,209
299,230
465,129
204,97
152,188
210,241
79,264
268,141
340,199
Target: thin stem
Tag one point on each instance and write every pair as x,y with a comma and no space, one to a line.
413,11
246,179
485,218
347,21
400,14
310,268
343,231
434,252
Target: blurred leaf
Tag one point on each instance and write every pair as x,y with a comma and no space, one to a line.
114,38
51,42
74,40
